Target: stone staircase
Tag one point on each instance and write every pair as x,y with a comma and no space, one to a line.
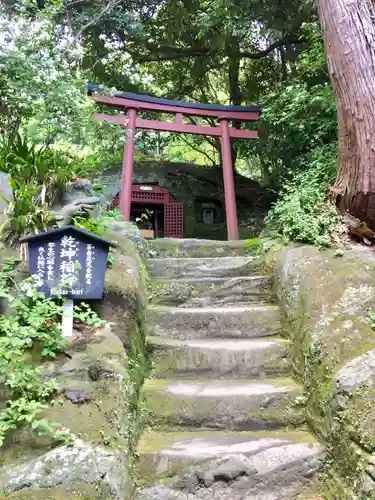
221,397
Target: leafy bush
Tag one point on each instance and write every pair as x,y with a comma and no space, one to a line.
33,325
113,214
42,165
97,226
27,214
302,213
39,175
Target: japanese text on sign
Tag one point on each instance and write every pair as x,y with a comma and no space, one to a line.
41,266
89,259
69,263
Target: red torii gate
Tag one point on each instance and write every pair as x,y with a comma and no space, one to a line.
141,102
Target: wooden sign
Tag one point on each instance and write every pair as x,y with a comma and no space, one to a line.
68,262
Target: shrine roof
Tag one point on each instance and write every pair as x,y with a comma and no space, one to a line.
65,229
91,87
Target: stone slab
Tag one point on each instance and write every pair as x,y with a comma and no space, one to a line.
229,404
253,321
220,358
214,267
203,292
189,247
357,373
256,464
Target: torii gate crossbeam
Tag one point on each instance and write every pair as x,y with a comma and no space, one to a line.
135,103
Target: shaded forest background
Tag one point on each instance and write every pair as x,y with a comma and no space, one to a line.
221,51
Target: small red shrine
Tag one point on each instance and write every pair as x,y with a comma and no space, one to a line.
162,203
138,103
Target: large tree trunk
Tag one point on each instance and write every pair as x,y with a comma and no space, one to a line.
349,36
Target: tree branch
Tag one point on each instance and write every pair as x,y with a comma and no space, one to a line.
173,53
168,53
198,150
110,5
280,43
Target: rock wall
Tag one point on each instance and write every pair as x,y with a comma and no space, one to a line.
191,184
93,402
327,299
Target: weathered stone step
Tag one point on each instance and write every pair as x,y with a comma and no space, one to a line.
251,321
195,292
213,267
227,490
229,404
173,247
220,358
254,464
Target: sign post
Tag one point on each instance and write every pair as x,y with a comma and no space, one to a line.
68,262
67,318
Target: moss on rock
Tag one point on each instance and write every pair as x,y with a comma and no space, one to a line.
251,411
326,302
78,491
124,294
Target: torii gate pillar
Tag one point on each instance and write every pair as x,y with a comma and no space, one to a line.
229,192
128,165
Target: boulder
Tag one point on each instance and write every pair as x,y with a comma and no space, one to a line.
124,229
327,298
69,466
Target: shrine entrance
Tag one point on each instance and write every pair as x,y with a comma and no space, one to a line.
164,214
224,115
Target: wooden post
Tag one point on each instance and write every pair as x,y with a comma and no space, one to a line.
67,318
230,195
127,165
156,227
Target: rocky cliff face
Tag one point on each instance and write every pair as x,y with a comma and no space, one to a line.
193,185
327,300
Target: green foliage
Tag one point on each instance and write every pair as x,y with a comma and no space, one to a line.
33,322
302,212
32,328
39,174
139,366
99,227
372,319
145,216
26,214
42,165
113,214
299,116
94,225
298,149
42,86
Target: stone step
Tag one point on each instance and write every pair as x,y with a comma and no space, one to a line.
220,358
229,404
173,247
227,490
212,267
246,465
194,292
252,321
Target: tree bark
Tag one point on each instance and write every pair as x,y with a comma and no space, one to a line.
235,94
349,36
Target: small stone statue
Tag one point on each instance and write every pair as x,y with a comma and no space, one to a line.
77,200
